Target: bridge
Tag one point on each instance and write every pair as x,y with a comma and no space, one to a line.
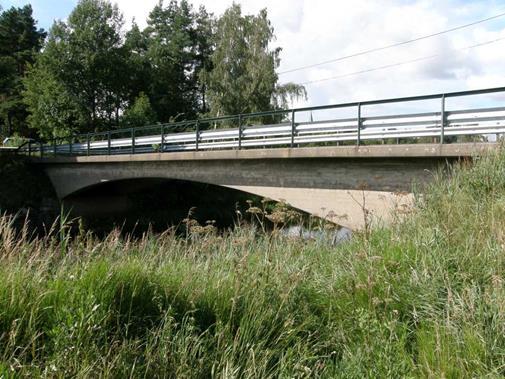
344,162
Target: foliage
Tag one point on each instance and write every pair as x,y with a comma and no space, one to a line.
287,93
20,40
140,113
92,71
423,298
178,48
84,57
243,79
54,111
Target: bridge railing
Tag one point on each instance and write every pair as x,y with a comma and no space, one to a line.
293,128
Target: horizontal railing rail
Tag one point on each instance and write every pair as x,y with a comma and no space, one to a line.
282,128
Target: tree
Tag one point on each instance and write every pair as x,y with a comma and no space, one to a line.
86,60
20,41
138,65
243,78
204,48
89,76
54,111
140,113
178,48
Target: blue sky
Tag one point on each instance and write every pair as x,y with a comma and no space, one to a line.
312,31
45,11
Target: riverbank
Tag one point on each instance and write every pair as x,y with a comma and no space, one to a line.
422,298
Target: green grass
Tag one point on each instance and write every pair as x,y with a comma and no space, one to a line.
422,298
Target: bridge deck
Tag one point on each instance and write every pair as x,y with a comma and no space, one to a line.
454,150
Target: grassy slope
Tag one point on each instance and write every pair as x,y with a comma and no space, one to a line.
424,298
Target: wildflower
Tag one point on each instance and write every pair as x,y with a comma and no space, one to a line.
254,210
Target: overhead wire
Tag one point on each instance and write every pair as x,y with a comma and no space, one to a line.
393,45
397,63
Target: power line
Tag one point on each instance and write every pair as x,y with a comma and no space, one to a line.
398,63
392,45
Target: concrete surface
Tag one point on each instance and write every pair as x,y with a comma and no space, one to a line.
337,183
364,151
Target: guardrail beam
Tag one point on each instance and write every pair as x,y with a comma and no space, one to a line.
438,123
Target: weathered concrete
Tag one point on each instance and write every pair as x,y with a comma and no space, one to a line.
344,207
327,181
431,150
391,175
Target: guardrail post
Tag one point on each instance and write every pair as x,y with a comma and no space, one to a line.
41,149
70,145
239,131
54,146
197,134
133,140
358,137
293,128
108,142
29,148
87,144
162,142
442,119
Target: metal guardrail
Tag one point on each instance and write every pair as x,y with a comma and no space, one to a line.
282,129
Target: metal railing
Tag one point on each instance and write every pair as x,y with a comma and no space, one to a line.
282,128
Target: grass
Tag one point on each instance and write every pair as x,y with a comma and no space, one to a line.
422,298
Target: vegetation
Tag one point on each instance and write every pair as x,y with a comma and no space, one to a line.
422,298
244,79
80,73
93,73
20,41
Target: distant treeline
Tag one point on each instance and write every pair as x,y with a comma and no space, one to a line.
94,72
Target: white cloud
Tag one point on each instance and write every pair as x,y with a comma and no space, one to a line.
312,31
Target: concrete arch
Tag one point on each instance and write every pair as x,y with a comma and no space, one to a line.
347,207
158,202
346,181
341,189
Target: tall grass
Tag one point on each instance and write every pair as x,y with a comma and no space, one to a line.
422,298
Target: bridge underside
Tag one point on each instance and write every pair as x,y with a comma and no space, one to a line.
340,184
344,207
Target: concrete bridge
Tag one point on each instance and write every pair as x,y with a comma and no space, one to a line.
337,183
343,167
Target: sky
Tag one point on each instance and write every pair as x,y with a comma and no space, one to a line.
314,31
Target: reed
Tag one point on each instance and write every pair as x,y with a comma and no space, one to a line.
424,297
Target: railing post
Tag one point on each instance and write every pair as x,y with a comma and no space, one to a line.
29,148
442,119
133,140
108,142
162,133
293,128
41,145
88,143
54,146
197,134
70,144
358,137
239,131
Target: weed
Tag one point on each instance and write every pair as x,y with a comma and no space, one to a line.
424,297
